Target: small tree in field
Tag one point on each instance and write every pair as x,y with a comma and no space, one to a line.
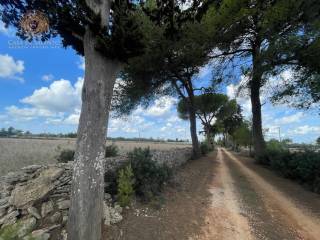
107,33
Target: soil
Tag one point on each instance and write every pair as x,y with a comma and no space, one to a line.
223,196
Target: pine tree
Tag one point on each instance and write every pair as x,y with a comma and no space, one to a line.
107,33
270,35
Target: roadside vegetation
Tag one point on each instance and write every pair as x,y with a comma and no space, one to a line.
141,177
302,166
67,155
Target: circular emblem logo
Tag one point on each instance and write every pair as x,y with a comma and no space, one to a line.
34,22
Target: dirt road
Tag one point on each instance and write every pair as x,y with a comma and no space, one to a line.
224,196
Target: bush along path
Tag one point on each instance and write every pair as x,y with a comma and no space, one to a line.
224,196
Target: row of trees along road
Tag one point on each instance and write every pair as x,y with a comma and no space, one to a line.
159,47
216,112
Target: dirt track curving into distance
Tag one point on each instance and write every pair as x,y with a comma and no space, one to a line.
224,196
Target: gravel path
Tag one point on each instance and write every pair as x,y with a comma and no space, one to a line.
224,196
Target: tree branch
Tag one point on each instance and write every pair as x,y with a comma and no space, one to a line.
241,51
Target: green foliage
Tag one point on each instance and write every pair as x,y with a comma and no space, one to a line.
213,105
230,117
274,149
150,177
271,37
207,106
125,186
112,151
11,131
123,39
66,155
318,141
9,232
243,135
303,167
302,91
205,148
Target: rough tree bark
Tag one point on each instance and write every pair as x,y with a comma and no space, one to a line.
193,133
85,214
192,114
258,140
255,85
192,119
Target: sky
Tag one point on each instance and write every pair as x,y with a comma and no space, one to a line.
40,86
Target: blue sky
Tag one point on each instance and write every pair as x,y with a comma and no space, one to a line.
40,91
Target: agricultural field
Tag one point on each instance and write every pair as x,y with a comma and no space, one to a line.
17,153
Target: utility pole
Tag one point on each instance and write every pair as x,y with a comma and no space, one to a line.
279,131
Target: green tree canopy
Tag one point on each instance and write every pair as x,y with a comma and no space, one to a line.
208,107
243,134
270,36
169,66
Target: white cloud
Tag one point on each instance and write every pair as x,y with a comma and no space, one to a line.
59,103
174,119
205,71
134,123
81,64
231,91
161,106
72,119
6,31
290,119
306,129
10,68
47,77
60,96
27,113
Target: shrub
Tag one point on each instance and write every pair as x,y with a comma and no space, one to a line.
150,177
112,151
66,155
274,148
205,148
303,167
125,186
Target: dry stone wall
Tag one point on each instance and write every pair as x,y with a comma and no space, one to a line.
34,201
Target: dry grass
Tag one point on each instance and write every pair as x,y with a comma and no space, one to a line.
17,153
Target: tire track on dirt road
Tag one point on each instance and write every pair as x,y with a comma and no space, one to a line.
229,222
271,213
202,205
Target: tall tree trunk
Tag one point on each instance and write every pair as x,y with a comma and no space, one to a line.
192,119
86,210
255,85
208,134
193,132
258,140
